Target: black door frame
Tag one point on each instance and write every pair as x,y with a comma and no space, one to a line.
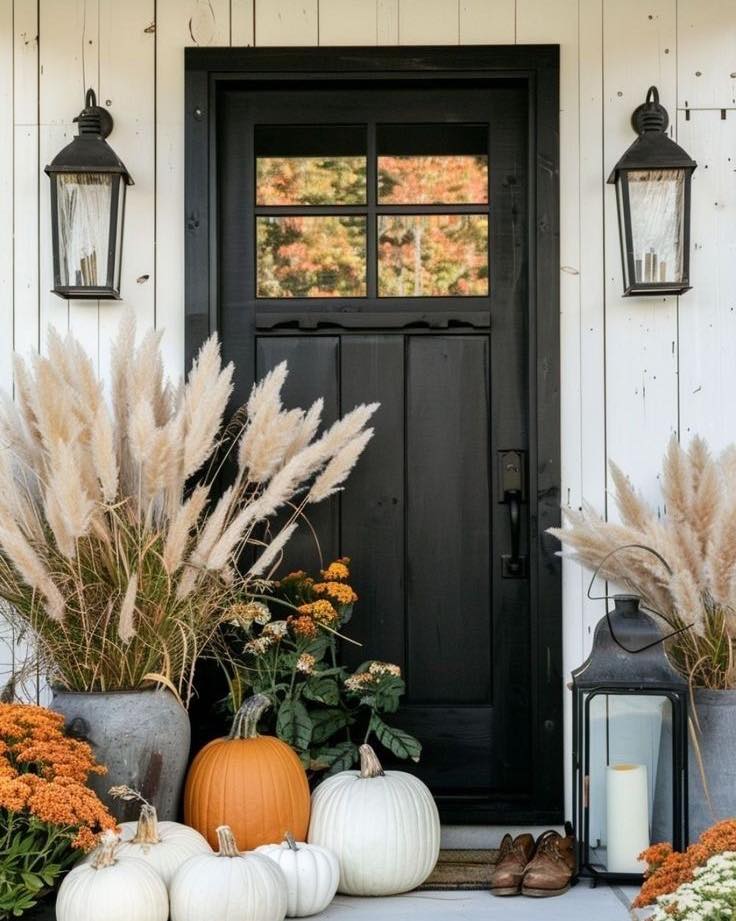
208,69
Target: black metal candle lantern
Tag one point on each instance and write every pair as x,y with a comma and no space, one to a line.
652,182
629,746
88,182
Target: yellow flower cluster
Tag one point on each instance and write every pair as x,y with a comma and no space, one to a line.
247,614
360,682
43,773
338,570
336,591
371,678
384,668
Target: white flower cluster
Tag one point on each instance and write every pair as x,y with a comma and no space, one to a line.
710,896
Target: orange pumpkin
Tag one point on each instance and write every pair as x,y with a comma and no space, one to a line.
255,784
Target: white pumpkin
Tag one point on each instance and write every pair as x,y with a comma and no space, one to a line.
164,845
228,886
383,827
312,874
108,889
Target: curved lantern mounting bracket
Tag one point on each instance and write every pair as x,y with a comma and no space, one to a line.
633,598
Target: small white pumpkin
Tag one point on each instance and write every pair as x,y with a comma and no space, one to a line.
165,845
383,827
108,889
312,874
228,886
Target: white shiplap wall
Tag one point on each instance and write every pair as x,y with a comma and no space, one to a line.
633,371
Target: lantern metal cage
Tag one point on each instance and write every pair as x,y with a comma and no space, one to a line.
652,182
88,183
630,784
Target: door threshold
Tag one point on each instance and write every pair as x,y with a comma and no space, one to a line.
485,837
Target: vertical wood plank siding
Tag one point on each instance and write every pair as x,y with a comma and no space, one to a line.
633,370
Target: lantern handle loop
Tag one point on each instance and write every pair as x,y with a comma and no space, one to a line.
90,99
606,598
653,96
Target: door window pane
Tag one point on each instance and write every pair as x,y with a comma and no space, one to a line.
432,164
301,256
310,165
432,255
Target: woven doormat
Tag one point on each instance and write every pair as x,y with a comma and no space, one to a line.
462,870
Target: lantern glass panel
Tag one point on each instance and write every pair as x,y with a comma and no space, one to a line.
84,203
628,783
657,202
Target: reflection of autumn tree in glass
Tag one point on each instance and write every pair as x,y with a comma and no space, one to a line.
432,180
325,256
310,180
311,256
432,255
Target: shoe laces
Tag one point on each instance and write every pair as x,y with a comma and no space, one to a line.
511,847
549,845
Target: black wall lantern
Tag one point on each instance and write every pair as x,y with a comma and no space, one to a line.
88,182
653,193
629,746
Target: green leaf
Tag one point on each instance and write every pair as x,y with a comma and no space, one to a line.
325,723
31,881
397,741
335,758
388,693
294,725
322,690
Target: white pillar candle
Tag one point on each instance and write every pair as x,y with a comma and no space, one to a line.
627,813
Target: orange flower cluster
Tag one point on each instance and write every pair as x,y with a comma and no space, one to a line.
303,626
669,869
43,773
336,591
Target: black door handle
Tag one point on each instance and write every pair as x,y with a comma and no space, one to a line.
513,563
512,479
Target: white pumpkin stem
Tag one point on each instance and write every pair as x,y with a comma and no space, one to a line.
370,766
147,830
289,838
105,856
245,723
226,842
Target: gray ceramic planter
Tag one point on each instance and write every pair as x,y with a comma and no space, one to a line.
141,736
716,717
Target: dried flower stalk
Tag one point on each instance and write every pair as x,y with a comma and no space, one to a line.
696,535
112,559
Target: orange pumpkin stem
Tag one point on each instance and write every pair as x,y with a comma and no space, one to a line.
226,842
105,856
147,829
245,723
370,766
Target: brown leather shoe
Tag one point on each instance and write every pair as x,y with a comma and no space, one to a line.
513,857
552,867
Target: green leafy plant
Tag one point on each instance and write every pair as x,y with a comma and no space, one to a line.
319,706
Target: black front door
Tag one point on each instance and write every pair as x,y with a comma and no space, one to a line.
378,239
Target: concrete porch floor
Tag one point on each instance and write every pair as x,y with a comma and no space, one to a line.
581,903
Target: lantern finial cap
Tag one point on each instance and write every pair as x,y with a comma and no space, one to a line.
650,115
93,119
